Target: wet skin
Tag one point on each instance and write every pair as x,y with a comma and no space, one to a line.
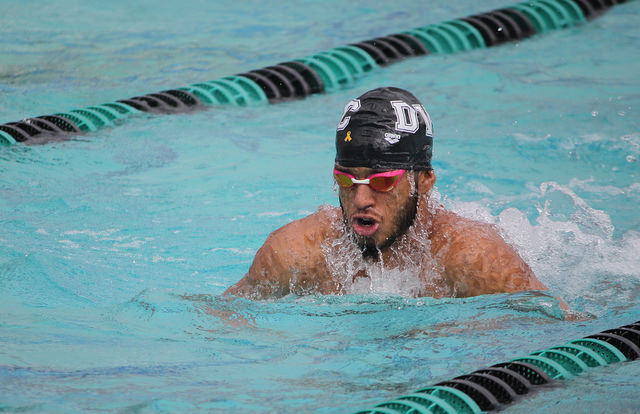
376,218
472,257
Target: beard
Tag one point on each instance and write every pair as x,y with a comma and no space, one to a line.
403,221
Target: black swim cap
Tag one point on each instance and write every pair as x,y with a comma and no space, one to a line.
386,128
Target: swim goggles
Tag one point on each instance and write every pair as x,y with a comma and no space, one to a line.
383,182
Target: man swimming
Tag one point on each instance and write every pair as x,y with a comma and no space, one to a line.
390,234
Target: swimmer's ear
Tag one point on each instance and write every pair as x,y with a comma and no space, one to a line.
426,181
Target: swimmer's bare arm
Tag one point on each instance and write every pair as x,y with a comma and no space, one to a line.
478,261
290,259
268,275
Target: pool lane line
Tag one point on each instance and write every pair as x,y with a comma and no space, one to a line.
321,72
497,386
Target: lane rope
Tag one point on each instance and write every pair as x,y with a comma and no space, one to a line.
500,385
318,73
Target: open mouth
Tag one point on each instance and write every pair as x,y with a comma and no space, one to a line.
365,226
363,221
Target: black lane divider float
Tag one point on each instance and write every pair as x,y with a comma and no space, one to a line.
496,387
321,72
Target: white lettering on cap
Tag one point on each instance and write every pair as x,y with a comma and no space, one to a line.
352,106
425,117
406,117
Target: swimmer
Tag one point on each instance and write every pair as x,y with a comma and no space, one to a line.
387,220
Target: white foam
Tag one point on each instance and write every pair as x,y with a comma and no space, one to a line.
92,233
69,243
157,258
135,244
570,245
236,250
588,185
418,275
589,218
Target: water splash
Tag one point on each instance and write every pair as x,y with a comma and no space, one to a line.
571,248
590,220
409,270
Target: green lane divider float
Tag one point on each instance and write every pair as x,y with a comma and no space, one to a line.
495,387
321,72
6,138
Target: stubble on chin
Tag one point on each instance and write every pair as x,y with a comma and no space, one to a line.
403,221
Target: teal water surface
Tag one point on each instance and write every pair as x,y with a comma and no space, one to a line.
116,246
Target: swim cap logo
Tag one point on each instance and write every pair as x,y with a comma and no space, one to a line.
348,137
392,138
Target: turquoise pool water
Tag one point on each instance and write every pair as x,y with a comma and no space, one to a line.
115,246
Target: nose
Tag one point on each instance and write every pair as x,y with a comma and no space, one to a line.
364,197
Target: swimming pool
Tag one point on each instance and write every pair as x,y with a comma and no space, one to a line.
114,246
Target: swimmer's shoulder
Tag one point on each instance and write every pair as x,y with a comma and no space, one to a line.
298,244
447,227
291,258
476,258
310,231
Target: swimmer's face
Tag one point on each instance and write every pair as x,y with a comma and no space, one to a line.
376,219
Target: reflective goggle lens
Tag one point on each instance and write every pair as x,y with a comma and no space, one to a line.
343,180
382,182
